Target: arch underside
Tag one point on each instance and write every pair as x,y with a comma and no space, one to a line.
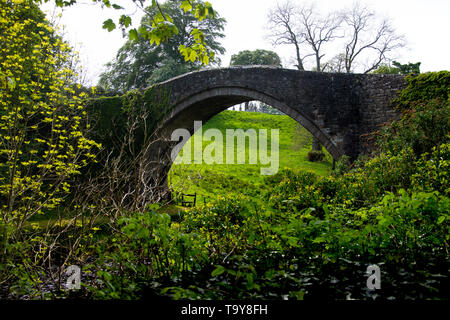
204,105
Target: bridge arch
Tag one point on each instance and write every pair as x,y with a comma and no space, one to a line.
205,104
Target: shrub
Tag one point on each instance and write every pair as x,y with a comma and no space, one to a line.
315,156
43,143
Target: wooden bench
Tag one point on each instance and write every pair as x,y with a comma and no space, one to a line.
186,202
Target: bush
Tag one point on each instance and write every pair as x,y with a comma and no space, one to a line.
315,156
43,144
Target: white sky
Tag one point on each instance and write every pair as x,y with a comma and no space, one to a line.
425,23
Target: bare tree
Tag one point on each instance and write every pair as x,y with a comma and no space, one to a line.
369,36
317,30
303,26
284,29
336,64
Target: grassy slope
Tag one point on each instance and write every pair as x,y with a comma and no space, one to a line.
211,180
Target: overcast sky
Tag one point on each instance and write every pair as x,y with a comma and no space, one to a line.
425,24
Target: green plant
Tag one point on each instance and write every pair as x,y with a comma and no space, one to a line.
315,155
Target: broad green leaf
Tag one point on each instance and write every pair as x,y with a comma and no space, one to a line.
186,6
133,35
109,25
125,21
218,271
193,56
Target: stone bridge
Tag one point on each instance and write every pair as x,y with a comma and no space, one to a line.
336,108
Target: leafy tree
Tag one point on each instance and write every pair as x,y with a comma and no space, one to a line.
398,68
336,64
141,63
386,68
161,28
407,68
256,57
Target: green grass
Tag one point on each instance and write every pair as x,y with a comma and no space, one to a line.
210,180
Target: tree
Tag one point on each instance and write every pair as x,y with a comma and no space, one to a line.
376,39
283,29
256,57
291,24
386,68
140,63
398,68
318,31
336,64
162,27
407,68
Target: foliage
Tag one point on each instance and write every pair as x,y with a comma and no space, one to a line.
255,57
140,63
43,142
312,239
162,28
386,68
318,250
407,68
425,107
146,247
398,68
424,87
316,155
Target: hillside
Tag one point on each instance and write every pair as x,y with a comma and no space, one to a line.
208,180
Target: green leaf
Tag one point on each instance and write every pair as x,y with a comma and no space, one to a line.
154,38
218,271
109,25
107,3
133,35
186,6
193,56
125,21
319,240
